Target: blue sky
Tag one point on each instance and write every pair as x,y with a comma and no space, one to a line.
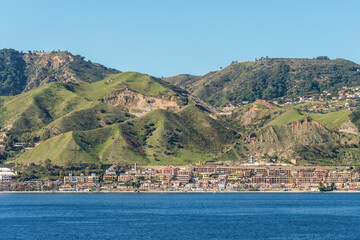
165,38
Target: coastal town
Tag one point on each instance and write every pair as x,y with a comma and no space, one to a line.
200,177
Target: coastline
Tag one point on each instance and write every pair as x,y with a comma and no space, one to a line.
164,192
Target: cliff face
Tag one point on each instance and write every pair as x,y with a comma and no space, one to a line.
21,72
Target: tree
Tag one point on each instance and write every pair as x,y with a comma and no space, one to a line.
323,58
48,164
87,171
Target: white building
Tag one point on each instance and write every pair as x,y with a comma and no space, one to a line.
6,174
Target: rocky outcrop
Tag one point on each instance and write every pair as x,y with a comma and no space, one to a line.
308,131
139,104
281,140
348,127
258,106
42,68
21,72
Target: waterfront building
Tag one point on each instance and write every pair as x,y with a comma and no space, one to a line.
6,174
184,175
172,171
73,180
123,177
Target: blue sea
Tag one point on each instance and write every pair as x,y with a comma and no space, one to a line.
180,216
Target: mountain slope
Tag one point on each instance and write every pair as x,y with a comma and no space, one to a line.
269,79
159,137
289,133
21,72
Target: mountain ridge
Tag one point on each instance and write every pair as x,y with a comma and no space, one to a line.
21,72
269,79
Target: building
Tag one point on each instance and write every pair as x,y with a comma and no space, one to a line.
124,177
110,175
81,179
184,175
6,174
170,171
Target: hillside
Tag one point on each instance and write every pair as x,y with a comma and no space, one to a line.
85,113
111,120
270,78
21,72
286,133
132,117
160,137
37,108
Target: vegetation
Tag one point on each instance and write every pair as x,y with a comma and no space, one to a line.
271,78
324,188
21,72
92,118
47,170
12,72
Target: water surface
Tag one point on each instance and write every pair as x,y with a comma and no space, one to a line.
180,216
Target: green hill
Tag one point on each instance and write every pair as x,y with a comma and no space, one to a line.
104,145
74,111
270,78
21,72
290,133
160,137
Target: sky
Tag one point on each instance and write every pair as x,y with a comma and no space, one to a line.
166,38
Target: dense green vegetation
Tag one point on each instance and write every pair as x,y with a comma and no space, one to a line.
271,78
89,72
21,72
47,170
12,72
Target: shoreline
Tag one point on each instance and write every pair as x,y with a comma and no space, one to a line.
164,192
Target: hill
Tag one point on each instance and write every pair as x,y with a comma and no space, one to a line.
270,78
272,133
160,137
86,123
109,121
56,102
21,72
84,113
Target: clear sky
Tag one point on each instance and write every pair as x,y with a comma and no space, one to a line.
165,38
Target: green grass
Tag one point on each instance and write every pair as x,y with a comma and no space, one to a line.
141,83
33,110
60,149
289,116
332,120
67,106
158,138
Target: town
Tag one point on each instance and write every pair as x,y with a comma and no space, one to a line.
201,177
346,98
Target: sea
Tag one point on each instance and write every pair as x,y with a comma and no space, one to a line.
179,216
